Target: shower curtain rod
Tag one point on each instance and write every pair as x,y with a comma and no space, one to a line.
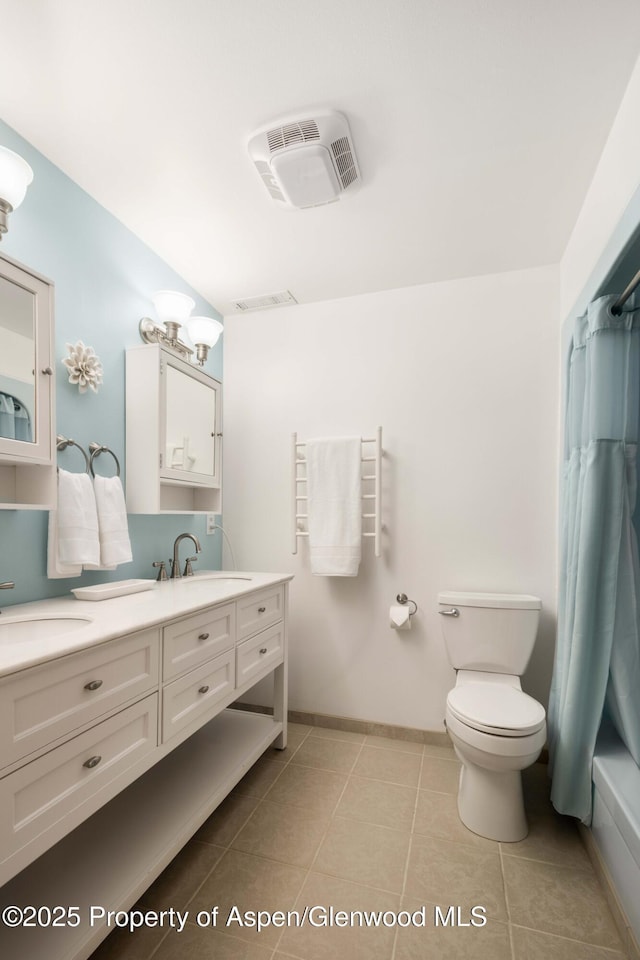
626,293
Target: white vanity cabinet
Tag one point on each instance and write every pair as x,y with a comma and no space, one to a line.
112,756
174,441
27,448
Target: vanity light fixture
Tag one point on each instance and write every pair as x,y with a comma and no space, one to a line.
204,332
173,310
15,177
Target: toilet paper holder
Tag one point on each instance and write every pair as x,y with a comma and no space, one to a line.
404,599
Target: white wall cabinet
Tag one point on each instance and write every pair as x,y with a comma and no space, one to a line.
27,446
116,754
174,442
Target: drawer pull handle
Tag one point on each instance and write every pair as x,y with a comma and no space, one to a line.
261,609
204,688
92,762
203,636
93,685
263,649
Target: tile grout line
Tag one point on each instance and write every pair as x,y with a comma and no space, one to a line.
506,902
409,849
615,954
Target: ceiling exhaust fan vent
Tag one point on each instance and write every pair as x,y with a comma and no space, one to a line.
345,161
265,301
306,163
290,133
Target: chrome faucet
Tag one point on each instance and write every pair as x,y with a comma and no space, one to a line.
7,585
175,563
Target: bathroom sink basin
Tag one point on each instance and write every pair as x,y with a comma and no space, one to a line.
38,628
222,578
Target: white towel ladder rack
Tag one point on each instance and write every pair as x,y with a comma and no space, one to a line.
373,499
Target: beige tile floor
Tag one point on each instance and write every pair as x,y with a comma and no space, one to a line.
362,823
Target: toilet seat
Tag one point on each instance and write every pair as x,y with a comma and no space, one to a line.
497,709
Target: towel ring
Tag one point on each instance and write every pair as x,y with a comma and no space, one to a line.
96,449
63,442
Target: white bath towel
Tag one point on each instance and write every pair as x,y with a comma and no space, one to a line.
334,500
73,527
113,530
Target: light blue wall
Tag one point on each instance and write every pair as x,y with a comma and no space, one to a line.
104,277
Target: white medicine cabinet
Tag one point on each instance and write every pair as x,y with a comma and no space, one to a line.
27,449
174,440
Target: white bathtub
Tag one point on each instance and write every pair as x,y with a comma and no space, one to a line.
616,821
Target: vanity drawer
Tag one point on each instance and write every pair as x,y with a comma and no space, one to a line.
198,638
259,610
259,654
44,703
195,695
104,759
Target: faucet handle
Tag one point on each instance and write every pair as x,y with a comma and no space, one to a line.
188,569
9,585
162,572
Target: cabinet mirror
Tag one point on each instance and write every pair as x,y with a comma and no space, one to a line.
190,438
25,364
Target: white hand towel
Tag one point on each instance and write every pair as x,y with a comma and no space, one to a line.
334,500
73,527
55,569
115,546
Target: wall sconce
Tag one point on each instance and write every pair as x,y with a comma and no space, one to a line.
15,177
204,332
173,309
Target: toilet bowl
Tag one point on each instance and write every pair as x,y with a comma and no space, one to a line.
497,730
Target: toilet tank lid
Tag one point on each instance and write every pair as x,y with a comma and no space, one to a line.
514,601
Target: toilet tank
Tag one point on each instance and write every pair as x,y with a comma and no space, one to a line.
492,631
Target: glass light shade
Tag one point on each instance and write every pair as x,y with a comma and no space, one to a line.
172,307
204,330
15,177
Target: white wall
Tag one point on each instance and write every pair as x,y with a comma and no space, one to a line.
614,183
462,376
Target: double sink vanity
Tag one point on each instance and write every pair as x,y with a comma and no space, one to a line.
116,742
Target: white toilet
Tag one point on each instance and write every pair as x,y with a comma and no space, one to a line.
496,729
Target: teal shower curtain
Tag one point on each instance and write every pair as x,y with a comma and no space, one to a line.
597,661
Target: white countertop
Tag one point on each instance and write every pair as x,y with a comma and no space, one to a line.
120,615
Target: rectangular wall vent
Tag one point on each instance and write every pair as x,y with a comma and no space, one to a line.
265,301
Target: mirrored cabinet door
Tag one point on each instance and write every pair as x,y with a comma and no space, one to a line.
27,389
189,425
26,366
174,441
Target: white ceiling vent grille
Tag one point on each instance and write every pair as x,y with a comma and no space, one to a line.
306,163
345,161
265,301
301,132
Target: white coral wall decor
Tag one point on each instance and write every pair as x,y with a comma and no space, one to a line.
84,367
